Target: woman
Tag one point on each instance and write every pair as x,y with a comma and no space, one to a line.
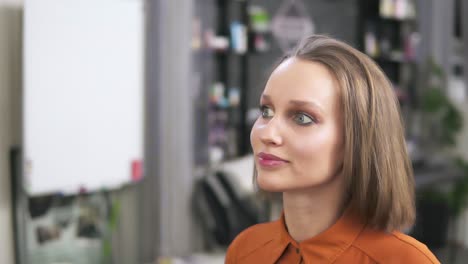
330,139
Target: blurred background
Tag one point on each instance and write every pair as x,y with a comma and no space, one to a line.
124,124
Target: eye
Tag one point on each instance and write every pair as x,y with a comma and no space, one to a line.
303,119
266,111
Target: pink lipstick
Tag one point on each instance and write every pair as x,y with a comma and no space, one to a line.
270,161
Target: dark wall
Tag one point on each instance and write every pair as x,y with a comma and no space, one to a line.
336,18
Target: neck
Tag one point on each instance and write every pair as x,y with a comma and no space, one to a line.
312,211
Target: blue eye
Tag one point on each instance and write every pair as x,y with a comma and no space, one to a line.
303,119
266,112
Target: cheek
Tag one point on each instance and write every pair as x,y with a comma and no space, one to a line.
311,143
320,150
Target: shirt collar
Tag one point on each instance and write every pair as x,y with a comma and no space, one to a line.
329,244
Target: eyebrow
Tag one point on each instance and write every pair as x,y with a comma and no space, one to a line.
298,103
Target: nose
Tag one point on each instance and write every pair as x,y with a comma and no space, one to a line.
270,132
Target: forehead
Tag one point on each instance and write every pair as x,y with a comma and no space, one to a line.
297,79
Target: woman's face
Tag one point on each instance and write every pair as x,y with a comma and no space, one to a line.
298,138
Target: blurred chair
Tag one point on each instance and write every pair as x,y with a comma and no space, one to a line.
225,202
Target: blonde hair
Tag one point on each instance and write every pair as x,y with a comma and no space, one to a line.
376,165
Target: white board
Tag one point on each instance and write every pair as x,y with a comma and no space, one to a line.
83,94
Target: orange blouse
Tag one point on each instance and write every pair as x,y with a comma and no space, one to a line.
348,241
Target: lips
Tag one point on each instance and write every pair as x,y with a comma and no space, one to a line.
270,161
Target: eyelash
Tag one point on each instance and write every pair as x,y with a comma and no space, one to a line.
294,114
262,108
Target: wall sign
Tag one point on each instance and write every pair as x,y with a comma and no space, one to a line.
291,23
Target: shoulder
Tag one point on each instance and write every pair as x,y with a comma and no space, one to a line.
394,247
251,239
414,248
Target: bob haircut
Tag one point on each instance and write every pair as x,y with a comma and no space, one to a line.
376,166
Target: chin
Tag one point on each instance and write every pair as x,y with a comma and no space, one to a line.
270,184
271,188
283,182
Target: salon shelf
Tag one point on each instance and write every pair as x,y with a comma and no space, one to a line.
394,59
398,20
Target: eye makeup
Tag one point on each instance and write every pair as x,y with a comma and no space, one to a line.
303,119
265,111
300,117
